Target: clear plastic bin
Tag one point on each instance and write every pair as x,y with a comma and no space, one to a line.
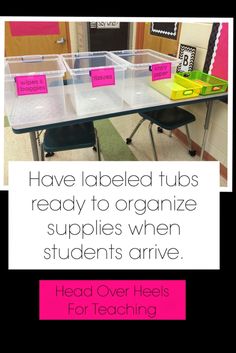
34,90
139,63
87,98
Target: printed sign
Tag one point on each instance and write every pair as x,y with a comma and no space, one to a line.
112,300
27,85
187,55
107,25
161,71
102,77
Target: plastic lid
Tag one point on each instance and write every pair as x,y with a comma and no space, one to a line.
50,65
83,62
145,57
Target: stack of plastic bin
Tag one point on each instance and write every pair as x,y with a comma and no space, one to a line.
34,90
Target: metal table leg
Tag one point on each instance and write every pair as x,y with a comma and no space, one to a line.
34,146
152,141
206,126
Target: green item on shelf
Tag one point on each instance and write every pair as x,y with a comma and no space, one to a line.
177,87
209,84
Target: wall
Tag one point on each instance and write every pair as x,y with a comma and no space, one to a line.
73,36
197,35
133,28
82,36
79,36
161,44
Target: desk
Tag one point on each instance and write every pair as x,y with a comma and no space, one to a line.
70,117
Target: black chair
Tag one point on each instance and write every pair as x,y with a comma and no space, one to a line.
70,137
168,119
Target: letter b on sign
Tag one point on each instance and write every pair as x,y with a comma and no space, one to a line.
185,60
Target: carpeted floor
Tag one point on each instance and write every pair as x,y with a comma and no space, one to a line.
6,122
112,145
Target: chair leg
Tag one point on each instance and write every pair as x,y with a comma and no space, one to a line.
152,142
191,151
97,145
129,139
39,143
49,154
42,152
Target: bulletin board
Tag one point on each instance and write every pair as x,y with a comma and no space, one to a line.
165,29
21,28
216,62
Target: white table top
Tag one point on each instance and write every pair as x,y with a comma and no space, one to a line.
70,115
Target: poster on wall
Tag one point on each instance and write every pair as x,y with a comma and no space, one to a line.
165,29
187,55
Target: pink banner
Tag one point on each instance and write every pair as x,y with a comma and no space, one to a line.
112,300
34,28
102,77
33,84
161,71
220,61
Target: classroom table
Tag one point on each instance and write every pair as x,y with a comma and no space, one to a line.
70,117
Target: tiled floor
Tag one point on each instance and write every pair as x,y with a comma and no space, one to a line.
17,147
168,149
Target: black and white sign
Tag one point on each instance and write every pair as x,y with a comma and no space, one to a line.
187,56
165,29
105,25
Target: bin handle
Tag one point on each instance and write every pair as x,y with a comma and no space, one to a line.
188,92
216,88
28,59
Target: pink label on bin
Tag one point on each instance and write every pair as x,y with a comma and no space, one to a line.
102,77
27,85
161,71
112,300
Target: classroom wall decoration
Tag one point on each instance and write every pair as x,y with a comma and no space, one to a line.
187,55
216,62
164,29
34,28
